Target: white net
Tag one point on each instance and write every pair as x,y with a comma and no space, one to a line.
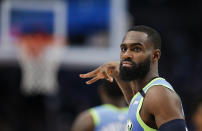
39,74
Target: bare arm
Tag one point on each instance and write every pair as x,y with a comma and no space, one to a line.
163,104
84,122
110,71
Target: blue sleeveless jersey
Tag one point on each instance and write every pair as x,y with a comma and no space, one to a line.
134,122
109,118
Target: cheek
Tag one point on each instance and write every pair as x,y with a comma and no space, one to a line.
121,56
138,58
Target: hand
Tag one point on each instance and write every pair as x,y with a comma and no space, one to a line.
106,71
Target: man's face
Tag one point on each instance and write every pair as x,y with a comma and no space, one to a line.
135,58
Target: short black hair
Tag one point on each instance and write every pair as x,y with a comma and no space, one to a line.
153,35
111,89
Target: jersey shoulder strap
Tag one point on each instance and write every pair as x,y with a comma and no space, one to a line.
95,115
158,81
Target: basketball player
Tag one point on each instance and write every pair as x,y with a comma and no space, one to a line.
111,116
153,103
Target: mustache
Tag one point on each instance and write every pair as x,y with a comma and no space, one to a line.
129,60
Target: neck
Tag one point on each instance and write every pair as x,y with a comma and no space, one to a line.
139,84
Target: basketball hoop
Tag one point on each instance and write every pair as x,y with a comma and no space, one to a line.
39,57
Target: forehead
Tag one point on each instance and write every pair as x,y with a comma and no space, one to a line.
135,37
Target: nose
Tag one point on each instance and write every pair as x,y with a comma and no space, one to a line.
127,54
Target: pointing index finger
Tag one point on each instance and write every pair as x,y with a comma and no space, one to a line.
89,75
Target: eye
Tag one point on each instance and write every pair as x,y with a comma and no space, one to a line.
123,49
137,49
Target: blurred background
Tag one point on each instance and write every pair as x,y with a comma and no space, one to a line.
45,45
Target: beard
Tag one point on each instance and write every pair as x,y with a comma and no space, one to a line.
137,71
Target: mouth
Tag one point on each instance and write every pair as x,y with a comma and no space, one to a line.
127,64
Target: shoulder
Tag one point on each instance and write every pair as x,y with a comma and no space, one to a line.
164,104
83,122
162,94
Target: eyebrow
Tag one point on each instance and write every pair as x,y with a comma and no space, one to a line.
131,44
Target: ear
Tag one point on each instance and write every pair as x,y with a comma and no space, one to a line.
156,55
